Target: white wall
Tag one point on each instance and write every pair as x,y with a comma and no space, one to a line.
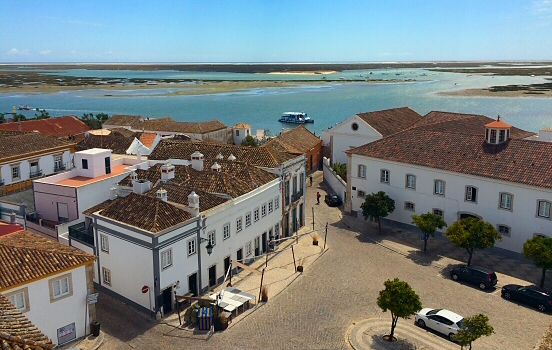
45,163
522,220
335,182
343,137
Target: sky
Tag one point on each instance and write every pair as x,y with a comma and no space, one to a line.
274,31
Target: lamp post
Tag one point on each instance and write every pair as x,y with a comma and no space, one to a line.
209,248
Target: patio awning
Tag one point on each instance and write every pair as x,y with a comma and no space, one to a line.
232,298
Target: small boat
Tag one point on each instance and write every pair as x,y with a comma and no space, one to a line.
25,107
295,118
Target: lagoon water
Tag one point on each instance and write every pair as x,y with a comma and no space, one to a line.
327,103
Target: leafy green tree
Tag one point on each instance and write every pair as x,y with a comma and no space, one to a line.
43,115
101,118
250,141
472,233
399,298
2,119
539,249
18,117
341,170
378,205
428,223
94,122
474,328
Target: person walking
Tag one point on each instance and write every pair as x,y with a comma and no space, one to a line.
310,178
318,197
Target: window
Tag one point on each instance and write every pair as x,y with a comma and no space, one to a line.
544,209
212,237
361,194
166,259
354,126
471,194
277,202
256,214
506,201
384,176
20,299
85,163
15,173
501,135
106,276
409,206
191,247
277,230
362,171
238,224
411,181
301,180
57,162
104,243
504,230
438,212
263,210
270,206
237,133
439,188
60,287
294,184
226,231
493,136
248,248
248,219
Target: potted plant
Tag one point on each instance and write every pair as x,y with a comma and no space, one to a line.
315,238
223,321
264,294
300,265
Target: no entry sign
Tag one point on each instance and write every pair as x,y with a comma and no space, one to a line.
145,289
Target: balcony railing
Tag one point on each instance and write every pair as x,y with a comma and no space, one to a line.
286,200
79,232
59,168
2,183
296,196
34,174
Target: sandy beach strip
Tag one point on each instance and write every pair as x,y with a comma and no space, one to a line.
488,93
303,72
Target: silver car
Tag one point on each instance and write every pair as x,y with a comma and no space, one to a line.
443,321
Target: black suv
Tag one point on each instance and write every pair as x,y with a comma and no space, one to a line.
530,295
481,276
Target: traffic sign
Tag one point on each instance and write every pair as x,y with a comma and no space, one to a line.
145,289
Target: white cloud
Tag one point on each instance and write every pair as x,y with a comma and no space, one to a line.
16,52
542,8
46,52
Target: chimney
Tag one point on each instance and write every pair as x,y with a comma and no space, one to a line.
113,193
215,168
134,176
167,172
220,156
12,218
197,161
141,186
231,158
193,204
162,194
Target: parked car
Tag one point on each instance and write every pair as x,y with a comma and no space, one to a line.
483,277
530,295
332,200
443,321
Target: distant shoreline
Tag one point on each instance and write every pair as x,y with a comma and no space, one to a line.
489,93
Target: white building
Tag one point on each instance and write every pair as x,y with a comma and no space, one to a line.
49,282
363,128
238,133
459,165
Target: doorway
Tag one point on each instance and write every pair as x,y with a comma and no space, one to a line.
192,284
264,242
286,225
257,246
213,276
239,258
301,215
107,165
226,265
294,218
167,300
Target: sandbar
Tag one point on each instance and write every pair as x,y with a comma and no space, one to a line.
489,93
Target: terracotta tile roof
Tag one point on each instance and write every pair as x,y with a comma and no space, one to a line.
114,141
58,126
390,121
520,161
97,207
123,132
146,213
124,120
257,156
17,332
26,256
471,124
168,124
498,124
147,139
241,126
26,143
298,140
177,193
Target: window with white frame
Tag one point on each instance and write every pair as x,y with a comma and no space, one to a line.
504,230
166,259
362,171
256,214
248,248
191,247
226,231
438,212
20,299
60,287
506,200
16,175
439,187
212,237
276,202
471,194
544,209
270,206
263,210
361,194
238,224
384,176
409,206
58,161
106,276
104,243
411,181
247,219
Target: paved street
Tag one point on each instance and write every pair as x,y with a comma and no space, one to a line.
337,290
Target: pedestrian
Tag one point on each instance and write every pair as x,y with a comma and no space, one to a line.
318,197
310,178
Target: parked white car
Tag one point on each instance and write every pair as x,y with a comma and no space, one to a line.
443,321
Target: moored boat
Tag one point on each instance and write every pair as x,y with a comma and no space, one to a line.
25,107
295,118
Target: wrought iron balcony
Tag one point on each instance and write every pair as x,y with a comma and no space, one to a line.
59,168
34,174
296,196
2,183
80,233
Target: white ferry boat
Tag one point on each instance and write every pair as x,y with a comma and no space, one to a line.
295,118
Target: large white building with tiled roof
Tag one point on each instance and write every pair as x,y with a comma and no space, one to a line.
459,165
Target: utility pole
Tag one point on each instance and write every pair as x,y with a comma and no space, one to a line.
325,236
313,218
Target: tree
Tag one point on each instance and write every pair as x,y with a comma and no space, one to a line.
474,328
428,223
43,115
471,233
378,205
539,249
341,170
249,141
2,119
101,118
399,298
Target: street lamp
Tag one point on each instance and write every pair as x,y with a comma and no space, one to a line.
209,245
